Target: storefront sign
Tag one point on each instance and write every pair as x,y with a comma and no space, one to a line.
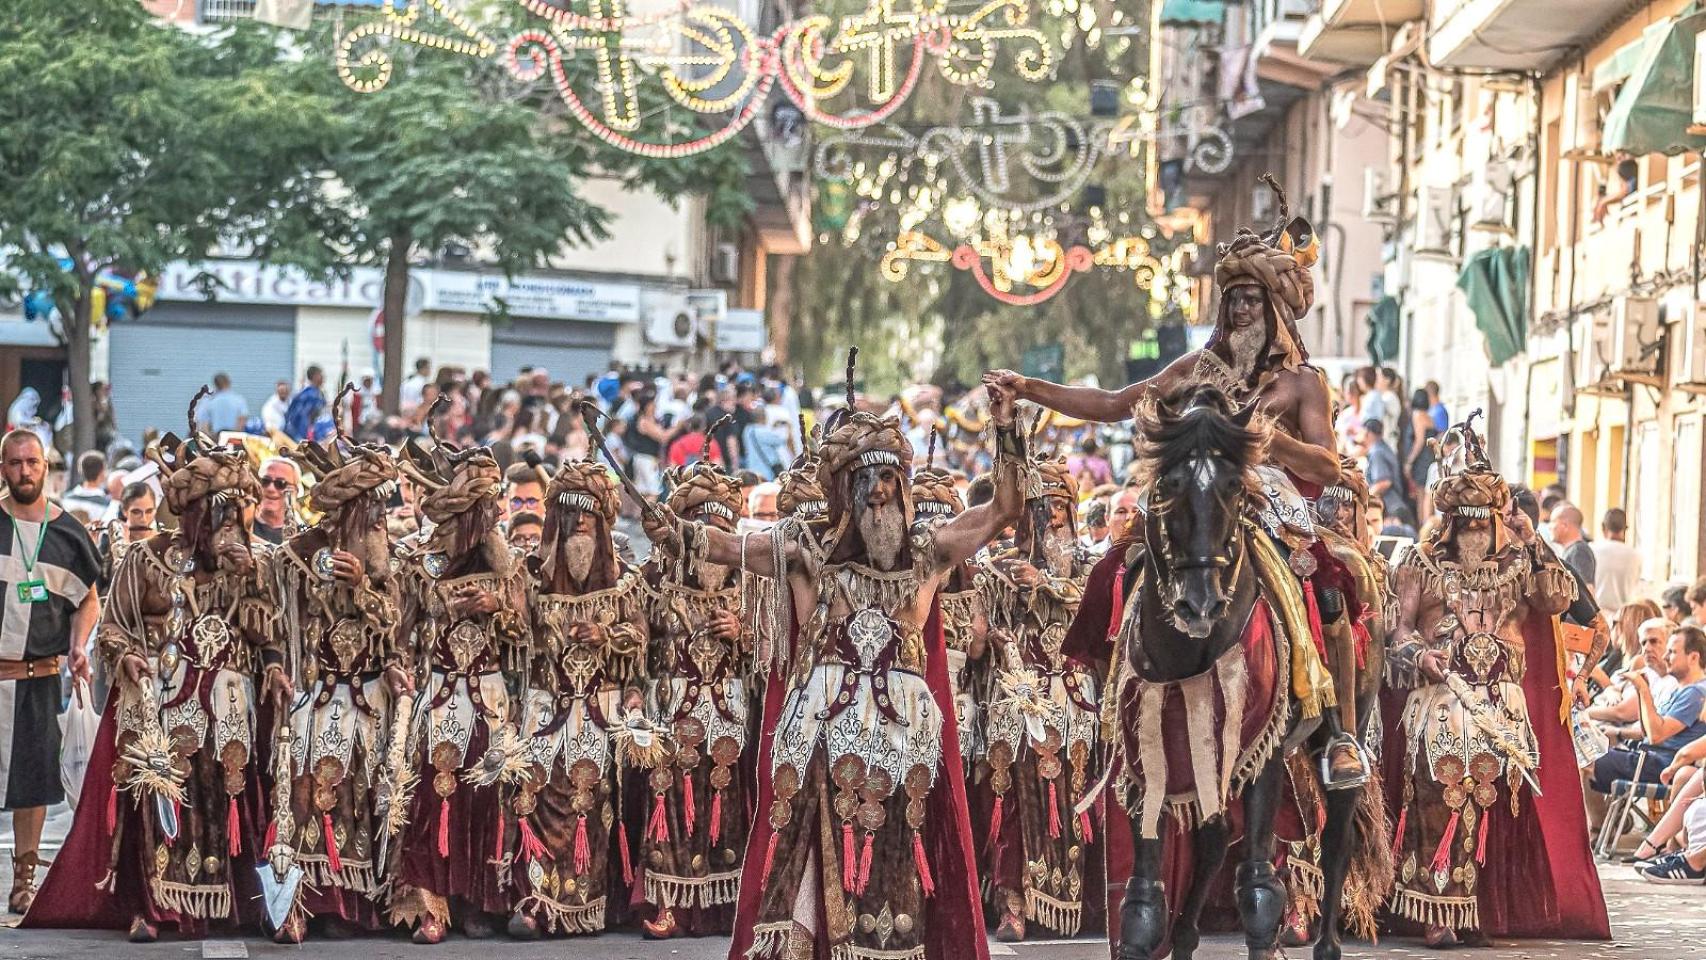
553,298
249,281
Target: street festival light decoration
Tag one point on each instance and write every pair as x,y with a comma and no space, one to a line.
708,61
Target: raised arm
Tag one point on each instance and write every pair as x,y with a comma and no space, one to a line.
669,533
964,535
1086,403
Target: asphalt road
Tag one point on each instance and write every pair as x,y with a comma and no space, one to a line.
1648,923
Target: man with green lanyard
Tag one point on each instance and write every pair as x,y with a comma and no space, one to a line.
48,609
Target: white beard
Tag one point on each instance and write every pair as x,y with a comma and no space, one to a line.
884,534
1059,549
578,552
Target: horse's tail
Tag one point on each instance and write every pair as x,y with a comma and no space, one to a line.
1373,868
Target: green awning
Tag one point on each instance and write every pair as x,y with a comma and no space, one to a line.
1653,110
1622,63
1495,282
1383,332
1193,11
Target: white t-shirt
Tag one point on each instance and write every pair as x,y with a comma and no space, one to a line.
1617,570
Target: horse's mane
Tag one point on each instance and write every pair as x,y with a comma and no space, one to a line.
1197,419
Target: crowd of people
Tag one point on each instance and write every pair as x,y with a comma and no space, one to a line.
713,655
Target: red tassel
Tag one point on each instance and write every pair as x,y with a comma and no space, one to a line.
849,858
1053,813
1481,843
716,816
927,882
233,829
1398,838
865,863
1084,825
332,858
112,809
271,840
658,829
583,850
444,827
690,809
1316,630
498,844
622,846
531,847
1442,855
995,816
770,856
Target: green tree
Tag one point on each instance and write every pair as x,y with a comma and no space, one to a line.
452,150
128,144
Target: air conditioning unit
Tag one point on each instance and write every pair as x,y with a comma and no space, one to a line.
672,323
725,263
1690,349
1634,336
1593,353
1434,220
1490,197
1379,202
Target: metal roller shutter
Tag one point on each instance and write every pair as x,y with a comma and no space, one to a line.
158,363
569,349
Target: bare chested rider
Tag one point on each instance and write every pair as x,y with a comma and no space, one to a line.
1254,354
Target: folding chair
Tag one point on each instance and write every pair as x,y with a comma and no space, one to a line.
1624,794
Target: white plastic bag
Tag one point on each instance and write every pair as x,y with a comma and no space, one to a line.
77,741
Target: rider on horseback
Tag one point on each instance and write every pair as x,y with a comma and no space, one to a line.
1255,354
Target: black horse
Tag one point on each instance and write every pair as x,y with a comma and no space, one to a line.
1198,591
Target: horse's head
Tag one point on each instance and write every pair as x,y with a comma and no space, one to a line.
1198,451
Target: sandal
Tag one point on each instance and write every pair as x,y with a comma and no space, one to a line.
1640,858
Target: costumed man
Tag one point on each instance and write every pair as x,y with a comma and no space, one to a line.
701,656
465,615
1255,355
585,676
1043,720
862,849
173,799
340,604
935,500
1480,853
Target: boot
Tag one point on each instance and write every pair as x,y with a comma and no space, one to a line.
1342,763
141,931
1439,938
23,881
293,930
1011,929
430,931
477,926
663,927
523,927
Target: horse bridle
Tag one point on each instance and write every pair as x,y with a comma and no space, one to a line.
1166,584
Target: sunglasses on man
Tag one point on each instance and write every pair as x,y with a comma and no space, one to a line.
277,483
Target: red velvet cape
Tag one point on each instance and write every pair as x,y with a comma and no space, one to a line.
954,925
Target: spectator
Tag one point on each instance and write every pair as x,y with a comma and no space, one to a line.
1673,604
1570,542
646,438
1663,727
411,393
305,407
1625,646
1436,407
1418,452
1687,813
526,490
1124,514
526,529
1348,423
90,494
1617,566
1373,401
53,587
224,409
1551,498
364,410
281,483
1088,466
1697,603
1618,704
1384,479
1399,522
1095,525
277,405
766,448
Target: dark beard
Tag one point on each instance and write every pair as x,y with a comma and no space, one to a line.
20,497
883,531
578,553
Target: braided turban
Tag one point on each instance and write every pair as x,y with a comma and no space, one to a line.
702,488
198,476
934,493
1291,291
801,495
367,470
1057,480
475,478
583,485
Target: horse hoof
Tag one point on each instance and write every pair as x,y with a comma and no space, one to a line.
1326,949
1185,943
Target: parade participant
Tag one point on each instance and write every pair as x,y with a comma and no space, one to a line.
1471,831
464,616
701,656
172,800
862,849
587,661
1043,720
936,500
339,602
1254,355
